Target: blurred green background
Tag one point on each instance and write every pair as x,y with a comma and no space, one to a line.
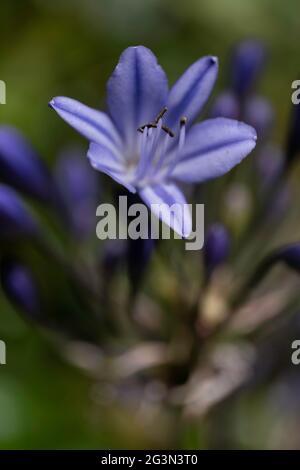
69,47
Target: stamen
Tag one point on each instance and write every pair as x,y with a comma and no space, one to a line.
181,143
183,121
154,123
161,114
148,139
168,131
161,158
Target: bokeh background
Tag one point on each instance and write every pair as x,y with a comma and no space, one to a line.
70,47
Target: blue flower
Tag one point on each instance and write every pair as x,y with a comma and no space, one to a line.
147,141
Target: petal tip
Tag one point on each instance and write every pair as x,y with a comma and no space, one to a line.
51,103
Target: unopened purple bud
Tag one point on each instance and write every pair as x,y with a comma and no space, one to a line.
216,247
226,105
269,163
139,255
248,61
21,167
79,188
15,219
20,287
293,140
281,202
290,255
114,254
259,114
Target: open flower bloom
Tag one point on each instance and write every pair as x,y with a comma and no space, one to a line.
147,141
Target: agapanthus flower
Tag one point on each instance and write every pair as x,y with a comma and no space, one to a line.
147,141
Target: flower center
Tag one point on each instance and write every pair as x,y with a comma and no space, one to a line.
154,124
157,157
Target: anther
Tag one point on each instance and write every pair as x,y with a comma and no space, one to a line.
168,131
183,121
154,124
161,114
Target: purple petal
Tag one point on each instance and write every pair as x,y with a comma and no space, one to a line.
137,91
212,148
160,198
92,124
191,91
102,159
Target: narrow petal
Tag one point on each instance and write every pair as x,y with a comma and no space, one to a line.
102,159
161,198
191,91
136,91
92,124
212,148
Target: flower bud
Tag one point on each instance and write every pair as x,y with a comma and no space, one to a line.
79,188
15,219
293,140
259,114
290,255
226,105
269,165
216,247
248,61
19,286
21,167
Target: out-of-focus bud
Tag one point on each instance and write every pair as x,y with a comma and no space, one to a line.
139,255
226,105
280,203
15,219
269,165
114,254
289,254
20,287
293,140
248,61
79,187
21,167
259,114
216,247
